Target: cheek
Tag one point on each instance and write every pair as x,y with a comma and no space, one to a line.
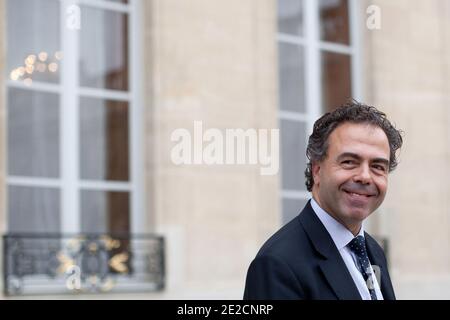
381,183
342,176
331,184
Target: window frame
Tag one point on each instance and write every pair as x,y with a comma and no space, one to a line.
69,182
313,47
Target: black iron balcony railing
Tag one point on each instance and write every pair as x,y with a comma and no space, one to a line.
85,263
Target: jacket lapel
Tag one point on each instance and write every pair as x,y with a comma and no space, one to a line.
337,275
331,263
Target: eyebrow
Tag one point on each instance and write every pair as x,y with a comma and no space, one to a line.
356,156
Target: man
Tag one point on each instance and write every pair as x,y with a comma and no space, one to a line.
324,252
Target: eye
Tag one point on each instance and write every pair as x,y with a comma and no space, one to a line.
348,163
379,167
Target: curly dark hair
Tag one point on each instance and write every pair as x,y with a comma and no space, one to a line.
355,112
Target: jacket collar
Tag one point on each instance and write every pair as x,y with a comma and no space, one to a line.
331,264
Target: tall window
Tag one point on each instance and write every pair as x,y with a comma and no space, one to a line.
73,117
317,58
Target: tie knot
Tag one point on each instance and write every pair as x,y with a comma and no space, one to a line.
358,246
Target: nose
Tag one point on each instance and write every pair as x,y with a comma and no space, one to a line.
363,175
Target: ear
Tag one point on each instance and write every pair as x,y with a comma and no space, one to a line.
316,172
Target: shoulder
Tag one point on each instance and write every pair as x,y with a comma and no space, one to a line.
278,268
286,243
372,242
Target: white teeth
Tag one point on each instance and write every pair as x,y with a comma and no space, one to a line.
356,194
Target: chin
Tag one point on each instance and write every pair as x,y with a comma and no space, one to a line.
358,214
348,214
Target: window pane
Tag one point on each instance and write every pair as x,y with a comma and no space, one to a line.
291,77
104,146
334,21
293,159
32,209
290,16
33,40
33,133
336,79
104,49
291,208
103,211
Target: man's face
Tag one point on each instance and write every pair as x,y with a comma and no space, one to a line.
351,182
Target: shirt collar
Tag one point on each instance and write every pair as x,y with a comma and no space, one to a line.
341,235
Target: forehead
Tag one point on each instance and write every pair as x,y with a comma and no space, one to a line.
359,138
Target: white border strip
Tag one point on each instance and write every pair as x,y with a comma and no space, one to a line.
139,216
69,127
104,94
312,64
289,38
83,91
336,47
355,40
105,185
294,116
36,86
325,46
294,194
106,5
33,182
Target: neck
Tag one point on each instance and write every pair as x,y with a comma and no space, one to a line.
353,227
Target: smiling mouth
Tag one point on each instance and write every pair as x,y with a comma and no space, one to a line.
358,194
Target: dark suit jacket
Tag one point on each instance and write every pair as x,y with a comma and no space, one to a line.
301,261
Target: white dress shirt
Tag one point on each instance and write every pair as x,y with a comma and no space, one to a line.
341,237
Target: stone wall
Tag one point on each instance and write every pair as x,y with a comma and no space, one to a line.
407,74
212,62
